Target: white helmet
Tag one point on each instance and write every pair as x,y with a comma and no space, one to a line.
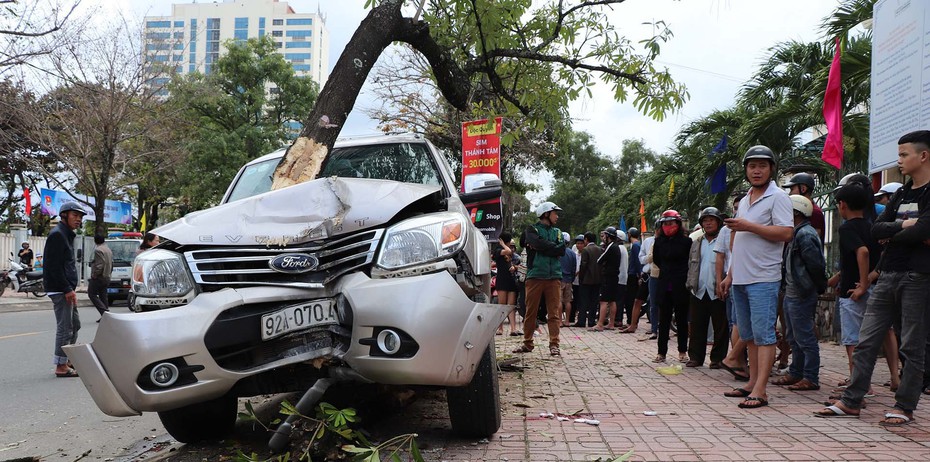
802,205
621,236
889,188
566,237
546,207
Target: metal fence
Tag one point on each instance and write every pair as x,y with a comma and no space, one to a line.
83,249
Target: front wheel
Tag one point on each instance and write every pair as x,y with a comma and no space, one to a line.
475,409
40,294
209,420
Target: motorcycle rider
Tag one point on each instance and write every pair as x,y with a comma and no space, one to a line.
26,256
60,278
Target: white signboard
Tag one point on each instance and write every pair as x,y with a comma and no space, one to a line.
900,77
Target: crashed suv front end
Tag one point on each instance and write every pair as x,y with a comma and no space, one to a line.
370,279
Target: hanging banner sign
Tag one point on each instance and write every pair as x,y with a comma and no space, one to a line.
117,212
481,154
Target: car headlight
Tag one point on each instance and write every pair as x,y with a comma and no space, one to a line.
160,273
422,239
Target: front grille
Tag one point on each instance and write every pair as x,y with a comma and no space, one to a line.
217,267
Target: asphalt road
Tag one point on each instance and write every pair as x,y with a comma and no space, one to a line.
52,418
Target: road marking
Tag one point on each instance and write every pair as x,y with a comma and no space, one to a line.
22,335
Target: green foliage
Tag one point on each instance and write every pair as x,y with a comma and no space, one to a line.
331,430
234,117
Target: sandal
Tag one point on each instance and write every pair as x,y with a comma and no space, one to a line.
901,418
834,412
752,402
554,351
522,349
683,357
737,393
804,385
659,359
786,380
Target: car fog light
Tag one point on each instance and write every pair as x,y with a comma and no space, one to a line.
164,374
389,341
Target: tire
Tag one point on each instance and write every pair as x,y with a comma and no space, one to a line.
39,294
109,301
475,409
2,288
209,420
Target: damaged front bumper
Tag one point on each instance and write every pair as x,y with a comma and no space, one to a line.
443,335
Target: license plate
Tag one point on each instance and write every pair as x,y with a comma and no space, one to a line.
112,291
298,317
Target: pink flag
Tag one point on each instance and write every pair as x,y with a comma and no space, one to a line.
833,114
28,202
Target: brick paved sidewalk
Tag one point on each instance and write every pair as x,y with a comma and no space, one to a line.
610,377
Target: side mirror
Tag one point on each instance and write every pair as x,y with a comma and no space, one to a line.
481,187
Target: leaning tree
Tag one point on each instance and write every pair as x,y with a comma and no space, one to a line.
534,61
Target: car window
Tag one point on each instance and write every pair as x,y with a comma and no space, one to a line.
404,162
123,251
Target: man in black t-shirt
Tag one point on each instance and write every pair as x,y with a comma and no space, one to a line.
859,255
902,290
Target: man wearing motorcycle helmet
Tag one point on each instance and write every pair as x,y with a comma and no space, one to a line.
544,246
26,255
60,279
670,253
765,221
803,184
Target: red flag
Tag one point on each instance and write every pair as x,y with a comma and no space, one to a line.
642,215
833,114
28,202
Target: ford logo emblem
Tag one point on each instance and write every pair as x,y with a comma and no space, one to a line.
293,263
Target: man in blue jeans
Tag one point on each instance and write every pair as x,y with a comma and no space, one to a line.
765,221
902,290
60,279
805,279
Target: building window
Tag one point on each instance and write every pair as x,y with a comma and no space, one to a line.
213,23
277,44
274,90
178,35
213,47
179,24
158,35
193,29
213,35
156,46
299,33
296,56
297,45
177,58
261,23
301,67
241,34
207,68
192,46
241,23
300,22
155,24
178,46
276,33
277,22
191,67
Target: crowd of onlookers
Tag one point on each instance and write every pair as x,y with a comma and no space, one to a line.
747,282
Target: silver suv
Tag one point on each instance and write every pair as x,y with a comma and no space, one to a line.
372,273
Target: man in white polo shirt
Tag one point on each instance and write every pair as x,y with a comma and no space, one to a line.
763,224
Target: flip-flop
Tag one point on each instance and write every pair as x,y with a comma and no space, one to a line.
834,412
737,393
735,372
804,385
516,334
894,415
752,402
522,349
70,373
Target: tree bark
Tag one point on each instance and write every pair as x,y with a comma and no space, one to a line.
306,158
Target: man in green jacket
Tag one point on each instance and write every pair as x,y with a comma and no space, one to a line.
544,245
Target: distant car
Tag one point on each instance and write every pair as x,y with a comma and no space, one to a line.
124,253
372,273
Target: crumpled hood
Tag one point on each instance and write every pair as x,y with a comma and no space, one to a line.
304,212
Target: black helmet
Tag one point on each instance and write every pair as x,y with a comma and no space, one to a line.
759,152
634,232
710,212
611,231
71,207
805,179
855,178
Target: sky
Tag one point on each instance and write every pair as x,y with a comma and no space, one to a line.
716,47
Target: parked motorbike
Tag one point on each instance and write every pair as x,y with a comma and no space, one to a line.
21,279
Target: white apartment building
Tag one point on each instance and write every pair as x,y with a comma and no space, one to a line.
192,38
